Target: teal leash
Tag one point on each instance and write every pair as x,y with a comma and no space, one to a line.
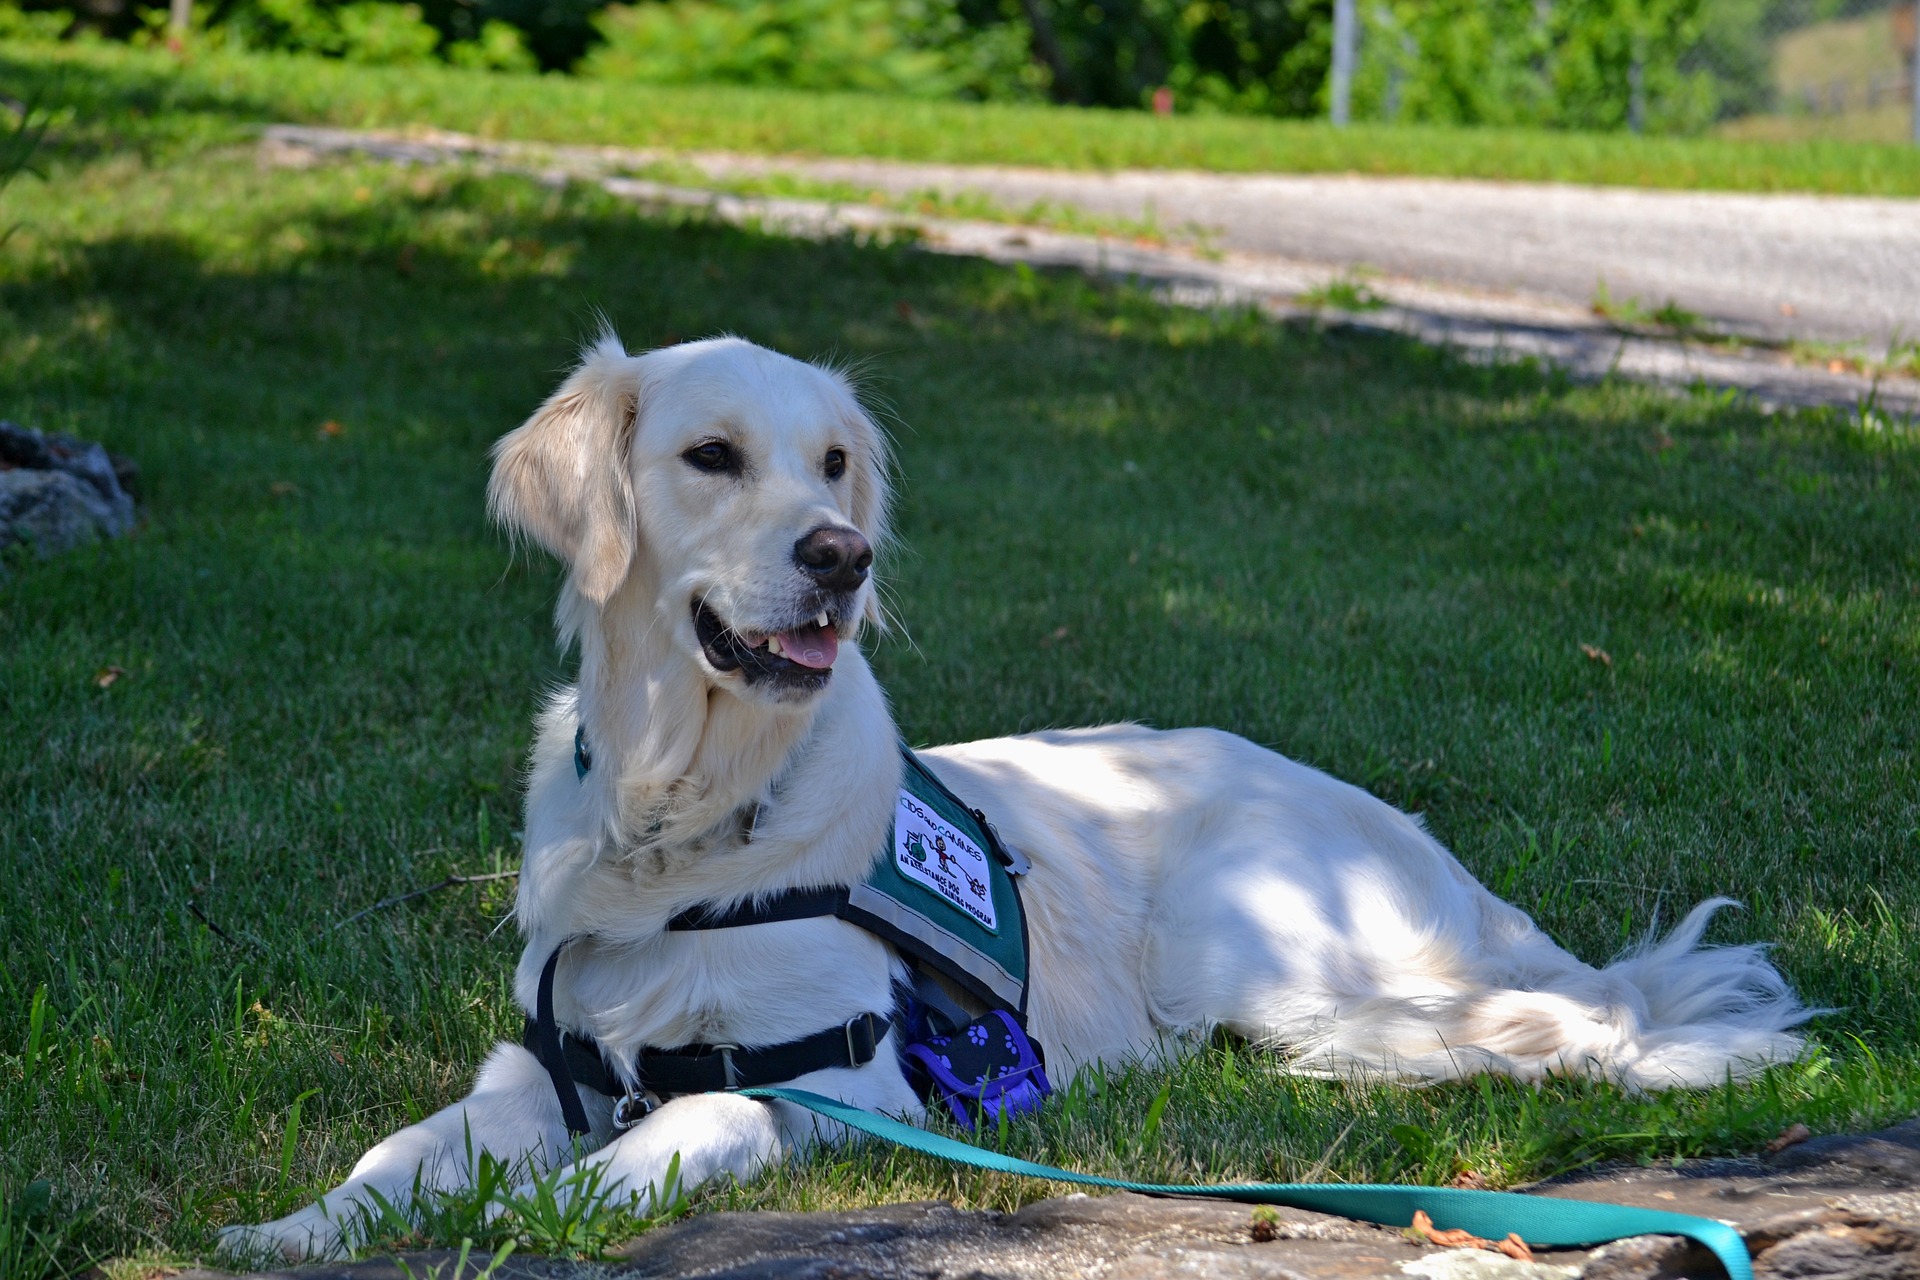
1536,1219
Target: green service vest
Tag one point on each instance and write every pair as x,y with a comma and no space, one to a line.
942,890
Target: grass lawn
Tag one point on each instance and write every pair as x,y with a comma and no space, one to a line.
1624,650
120,94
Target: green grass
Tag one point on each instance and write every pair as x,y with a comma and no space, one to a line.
928,202
1365,553
155,101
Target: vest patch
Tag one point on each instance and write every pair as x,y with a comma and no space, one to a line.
931,851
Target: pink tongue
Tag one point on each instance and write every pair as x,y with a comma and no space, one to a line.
815,647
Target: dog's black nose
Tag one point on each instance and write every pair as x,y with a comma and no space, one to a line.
837,558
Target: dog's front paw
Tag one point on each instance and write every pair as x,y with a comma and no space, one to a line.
306,1236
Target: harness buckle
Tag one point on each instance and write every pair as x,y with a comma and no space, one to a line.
728,1072
633,1107
853,1049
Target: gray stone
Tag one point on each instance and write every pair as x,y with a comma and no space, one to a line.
1477,1264
53,511
58,492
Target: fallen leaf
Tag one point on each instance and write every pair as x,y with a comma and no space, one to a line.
1452,1239
1513,1246
105,676
1836,366
1469,1180
1792,1135
330,428
283,488
1595,654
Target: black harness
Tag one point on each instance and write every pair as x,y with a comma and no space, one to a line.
572,1058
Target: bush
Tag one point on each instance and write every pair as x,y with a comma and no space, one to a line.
498,46
362,31
21,24
1514,62
915,47
1263,57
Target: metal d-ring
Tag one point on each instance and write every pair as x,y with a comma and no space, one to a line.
633,1107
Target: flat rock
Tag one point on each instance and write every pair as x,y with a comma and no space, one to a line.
57,492
1837,1208
53,511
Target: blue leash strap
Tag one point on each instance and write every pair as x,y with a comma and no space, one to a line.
1538,1220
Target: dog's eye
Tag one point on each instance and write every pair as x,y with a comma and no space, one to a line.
714,455
836,463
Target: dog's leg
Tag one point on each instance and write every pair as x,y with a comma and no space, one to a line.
713,1134
512,1115
725,1135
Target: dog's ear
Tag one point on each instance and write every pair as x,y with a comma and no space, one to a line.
871,471
562,476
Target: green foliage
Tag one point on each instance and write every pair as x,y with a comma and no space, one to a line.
37,1238
498,46
1266,57
111,95
368,31
1346,293
17,23
566,1212
918,48
1569,64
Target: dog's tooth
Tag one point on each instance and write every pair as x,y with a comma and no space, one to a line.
821,621
773,645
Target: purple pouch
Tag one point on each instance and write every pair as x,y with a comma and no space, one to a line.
987,1066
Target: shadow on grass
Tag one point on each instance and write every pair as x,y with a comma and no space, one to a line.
1368,553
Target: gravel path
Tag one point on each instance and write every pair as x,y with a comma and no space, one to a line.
1499,321
1830,268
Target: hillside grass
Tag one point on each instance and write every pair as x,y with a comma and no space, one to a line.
1624,650
114,96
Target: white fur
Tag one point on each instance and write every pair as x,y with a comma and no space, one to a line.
1180,880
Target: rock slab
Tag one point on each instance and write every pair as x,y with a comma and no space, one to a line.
1837,1208
57,492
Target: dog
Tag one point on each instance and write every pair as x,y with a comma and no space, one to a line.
720,510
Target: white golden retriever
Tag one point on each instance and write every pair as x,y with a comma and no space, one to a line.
716,506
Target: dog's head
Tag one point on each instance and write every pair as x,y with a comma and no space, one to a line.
735,495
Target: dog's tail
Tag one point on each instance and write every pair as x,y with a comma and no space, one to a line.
1669,1012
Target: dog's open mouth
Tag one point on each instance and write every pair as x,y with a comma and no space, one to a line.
800,657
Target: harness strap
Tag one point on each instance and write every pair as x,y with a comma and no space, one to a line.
574,1060
809,904
715,1068
1539,1220
789,904
543,1037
